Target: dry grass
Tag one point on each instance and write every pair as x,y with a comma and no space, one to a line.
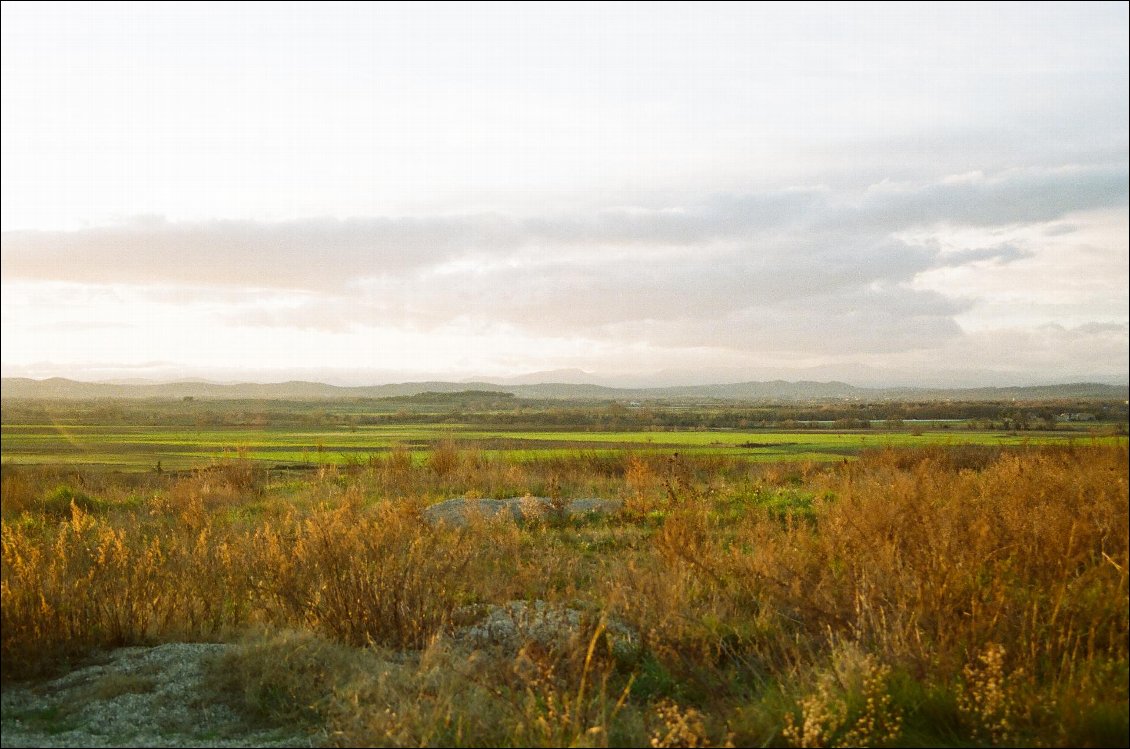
940,594
379,577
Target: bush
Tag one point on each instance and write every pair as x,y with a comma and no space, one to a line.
57,502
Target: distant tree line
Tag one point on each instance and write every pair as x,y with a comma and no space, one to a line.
503,410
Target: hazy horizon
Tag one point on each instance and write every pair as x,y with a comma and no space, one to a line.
883,195
658,380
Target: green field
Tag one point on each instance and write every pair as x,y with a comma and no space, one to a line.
142,447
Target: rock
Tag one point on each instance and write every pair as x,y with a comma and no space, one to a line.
459,511
508,627
139,696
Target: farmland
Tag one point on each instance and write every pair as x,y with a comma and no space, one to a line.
141,448
953,578
178,434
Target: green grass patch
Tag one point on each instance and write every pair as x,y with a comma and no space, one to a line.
141,448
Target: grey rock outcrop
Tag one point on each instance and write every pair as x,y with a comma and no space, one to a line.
459,511
508,627
140,696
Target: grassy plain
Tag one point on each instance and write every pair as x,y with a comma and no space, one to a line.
803,587
141,447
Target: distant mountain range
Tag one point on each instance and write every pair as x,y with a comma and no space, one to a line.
777,390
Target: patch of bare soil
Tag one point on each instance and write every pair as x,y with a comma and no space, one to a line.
134,697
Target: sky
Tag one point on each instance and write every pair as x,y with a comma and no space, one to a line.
884,194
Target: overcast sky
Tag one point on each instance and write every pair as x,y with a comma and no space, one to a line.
882,194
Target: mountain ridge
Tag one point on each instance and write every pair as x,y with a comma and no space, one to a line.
781,390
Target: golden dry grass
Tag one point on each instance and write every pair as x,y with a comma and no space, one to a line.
941,594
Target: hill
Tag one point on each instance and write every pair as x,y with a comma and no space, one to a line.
773,391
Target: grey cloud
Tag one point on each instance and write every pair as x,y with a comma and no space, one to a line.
859,330
562,295
309,254
770,297
1057,230
852,318
803,269
1017,197
1101,329
327,254
778,273
1001,253
1064,353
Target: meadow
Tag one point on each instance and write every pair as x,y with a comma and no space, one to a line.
142,447
910,585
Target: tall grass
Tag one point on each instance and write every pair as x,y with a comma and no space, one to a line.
912,596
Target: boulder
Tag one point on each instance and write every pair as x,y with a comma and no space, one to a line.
458,512
508,627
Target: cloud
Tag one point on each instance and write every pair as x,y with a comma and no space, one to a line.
1002,253
1025,355
308,254
1019,196
330,253
794,271
326,253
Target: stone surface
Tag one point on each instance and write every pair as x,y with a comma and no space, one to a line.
508,627
137,697
459,511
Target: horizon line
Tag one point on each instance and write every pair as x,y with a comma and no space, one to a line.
149,382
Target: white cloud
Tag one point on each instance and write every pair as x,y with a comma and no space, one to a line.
798,273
